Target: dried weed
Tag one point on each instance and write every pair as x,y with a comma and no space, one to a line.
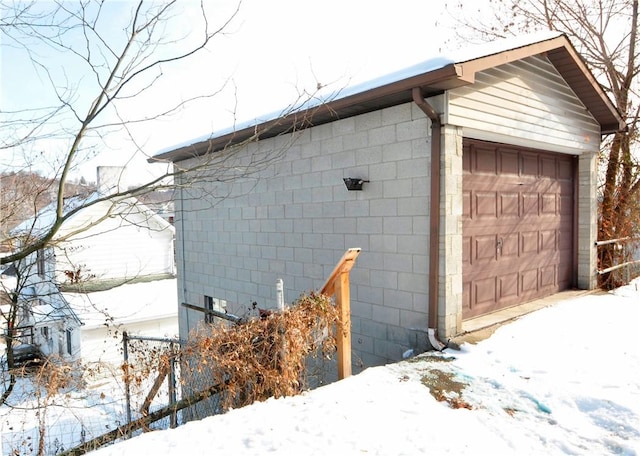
264,357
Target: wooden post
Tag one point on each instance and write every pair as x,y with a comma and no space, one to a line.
338,285
343,336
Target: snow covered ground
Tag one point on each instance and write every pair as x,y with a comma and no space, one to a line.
563,380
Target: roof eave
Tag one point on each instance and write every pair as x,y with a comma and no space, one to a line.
574,70
559,50
433,82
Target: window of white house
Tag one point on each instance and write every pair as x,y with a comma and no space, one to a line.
40,262
44,331
25,313
69,344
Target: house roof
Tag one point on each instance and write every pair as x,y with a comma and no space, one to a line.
45,218
55,309
126,304
9,271
433,77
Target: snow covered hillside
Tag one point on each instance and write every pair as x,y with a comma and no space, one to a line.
563,380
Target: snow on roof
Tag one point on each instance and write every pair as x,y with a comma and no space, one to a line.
126,304
323,97
45,218
38,225
45,312
462,55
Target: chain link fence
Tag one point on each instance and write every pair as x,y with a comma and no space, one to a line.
92,401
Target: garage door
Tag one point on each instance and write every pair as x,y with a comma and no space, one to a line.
517,225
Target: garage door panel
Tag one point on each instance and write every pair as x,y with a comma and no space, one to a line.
549,204
517,227
485,291
564,276
529,280
485,161
466,250
565,170
529,204
509,163
466,163
466,297
548,240
466,204
509,205
565,205
485,204
529,165
484,248
548,167
529,242
508,286
509,245
548,276
565,246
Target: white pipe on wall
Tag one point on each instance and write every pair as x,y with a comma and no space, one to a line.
280,294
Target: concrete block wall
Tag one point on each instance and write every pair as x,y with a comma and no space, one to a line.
293,218
451,203
587,220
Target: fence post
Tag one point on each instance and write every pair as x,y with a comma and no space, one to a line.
125,351
172,388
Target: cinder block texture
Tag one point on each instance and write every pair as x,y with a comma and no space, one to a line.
287,214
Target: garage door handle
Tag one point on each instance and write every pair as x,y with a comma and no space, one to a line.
499,245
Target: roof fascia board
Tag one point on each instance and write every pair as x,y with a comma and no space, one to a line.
473,66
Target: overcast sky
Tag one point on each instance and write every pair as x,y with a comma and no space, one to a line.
272,51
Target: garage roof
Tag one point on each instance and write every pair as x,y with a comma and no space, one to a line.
433,77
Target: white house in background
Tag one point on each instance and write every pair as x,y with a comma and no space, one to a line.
44,319
108,242
143,309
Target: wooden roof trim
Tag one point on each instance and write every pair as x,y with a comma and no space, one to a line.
582,81
472,66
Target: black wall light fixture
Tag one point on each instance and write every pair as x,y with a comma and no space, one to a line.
354,183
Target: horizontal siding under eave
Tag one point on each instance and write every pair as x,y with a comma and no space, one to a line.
498,85
525,102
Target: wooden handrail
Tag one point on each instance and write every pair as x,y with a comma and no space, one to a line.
344,265
337,285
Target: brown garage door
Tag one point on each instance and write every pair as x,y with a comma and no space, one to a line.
517,225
